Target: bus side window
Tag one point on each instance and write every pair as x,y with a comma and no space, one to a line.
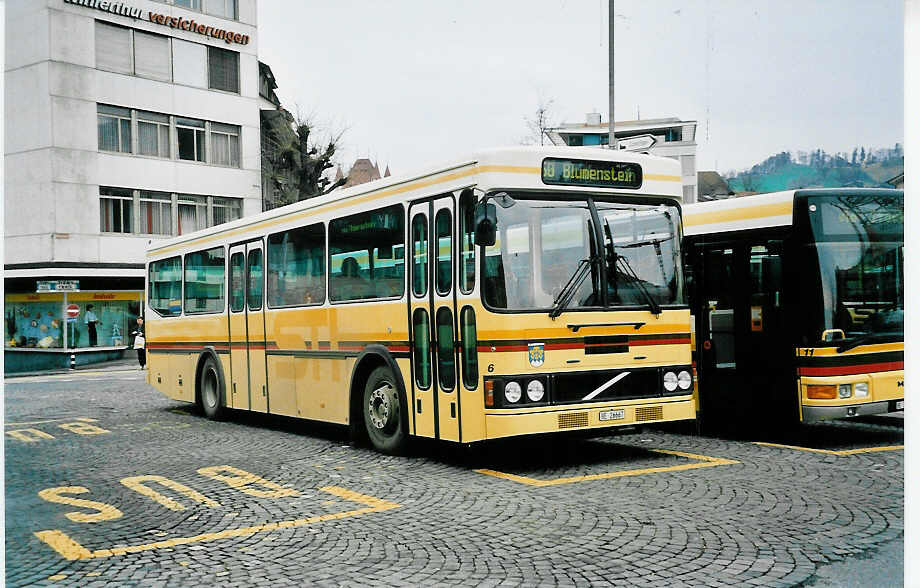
443,244
254,288
467,261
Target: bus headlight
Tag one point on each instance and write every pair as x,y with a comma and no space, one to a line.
684,380
861,389
845,390
512,392
535,390
670,381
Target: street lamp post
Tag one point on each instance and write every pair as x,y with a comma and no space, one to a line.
612,140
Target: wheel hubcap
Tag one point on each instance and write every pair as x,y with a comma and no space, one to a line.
380,407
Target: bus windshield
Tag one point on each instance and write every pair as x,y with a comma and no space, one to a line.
544,246
859,241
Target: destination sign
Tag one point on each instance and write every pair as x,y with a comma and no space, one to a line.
597,174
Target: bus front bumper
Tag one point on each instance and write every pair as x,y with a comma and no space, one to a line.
811,414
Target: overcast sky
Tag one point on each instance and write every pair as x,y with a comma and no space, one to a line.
414,83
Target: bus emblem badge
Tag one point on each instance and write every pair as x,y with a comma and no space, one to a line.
537,353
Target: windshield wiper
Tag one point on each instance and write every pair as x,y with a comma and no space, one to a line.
627,271
568,291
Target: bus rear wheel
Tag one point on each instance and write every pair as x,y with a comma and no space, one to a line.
382,411
211,385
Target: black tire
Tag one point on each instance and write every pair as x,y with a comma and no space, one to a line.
211,391
383,412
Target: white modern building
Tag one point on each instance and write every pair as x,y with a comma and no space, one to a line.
673,138
126,121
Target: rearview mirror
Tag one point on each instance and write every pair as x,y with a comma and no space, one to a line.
485,223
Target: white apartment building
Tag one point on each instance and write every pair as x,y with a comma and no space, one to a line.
674,138
126,121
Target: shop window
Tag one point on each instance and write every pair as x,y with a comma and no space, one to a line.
225,144
152,134
204,281
116,210
190,137
152,56
296,267
223,70
190,63
193,213
165,286
113,48
366,255
114,128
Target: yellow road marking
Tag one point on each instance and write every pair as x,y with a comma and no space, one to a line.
70,549
831,452
703,462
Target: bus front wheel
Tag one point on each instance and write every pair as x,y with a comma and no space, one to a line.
209,391
382,412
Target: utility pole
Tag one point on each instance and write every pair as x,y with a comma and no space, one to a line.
612,139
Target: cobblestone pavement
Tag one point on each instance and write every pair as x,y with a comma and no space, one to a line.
110,483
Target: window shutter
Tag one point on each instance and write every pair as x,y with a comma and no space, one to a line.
113,48
190,64
223,69
151,56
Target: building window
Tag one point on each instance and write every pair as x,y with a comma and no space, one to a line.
155,213
222,8
152,56
673,135
225,145
116,210
575,140
193,213
113,48
114,125
225,210
190,63
190,138
223,70
190,4
152,134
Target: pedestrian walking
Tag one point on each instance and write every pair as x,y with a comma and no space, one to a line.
140,342
91,321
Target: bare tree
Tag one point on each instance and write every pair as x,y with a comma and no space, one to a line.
539,123
294,163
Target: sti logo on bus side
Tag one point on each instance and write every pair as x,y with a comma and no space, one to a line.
536,352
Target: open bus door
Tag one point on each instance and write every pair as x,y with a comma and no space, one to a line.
742,358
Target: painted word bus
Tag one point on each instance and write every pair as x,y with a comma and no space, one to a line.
522,291
798,299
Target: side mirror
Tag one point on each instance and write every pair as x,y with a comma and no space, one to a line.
485,223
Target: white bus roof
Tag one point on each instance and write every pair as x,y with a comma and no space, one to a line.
510,168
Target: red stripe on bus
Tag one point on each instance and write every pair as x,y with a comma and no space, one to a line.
849,370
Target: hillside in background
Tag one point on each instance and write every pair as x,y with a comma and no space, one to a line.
865,168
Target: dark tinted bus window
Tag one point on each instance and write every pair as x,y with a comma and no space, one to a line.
254,287
421,351
366,255
445,330
443,247
296,267
237,293
420,255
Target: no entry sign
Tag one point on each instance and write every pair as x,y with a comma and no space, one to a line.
73,311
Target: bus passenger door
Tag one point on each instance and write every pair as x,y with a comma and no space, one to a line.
435,405
247,328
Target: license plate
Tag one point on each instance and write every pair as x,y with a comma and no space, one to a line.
899,405
612,415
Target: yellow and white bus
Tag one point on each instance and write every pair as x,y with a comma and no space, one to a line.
798,299
522,291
